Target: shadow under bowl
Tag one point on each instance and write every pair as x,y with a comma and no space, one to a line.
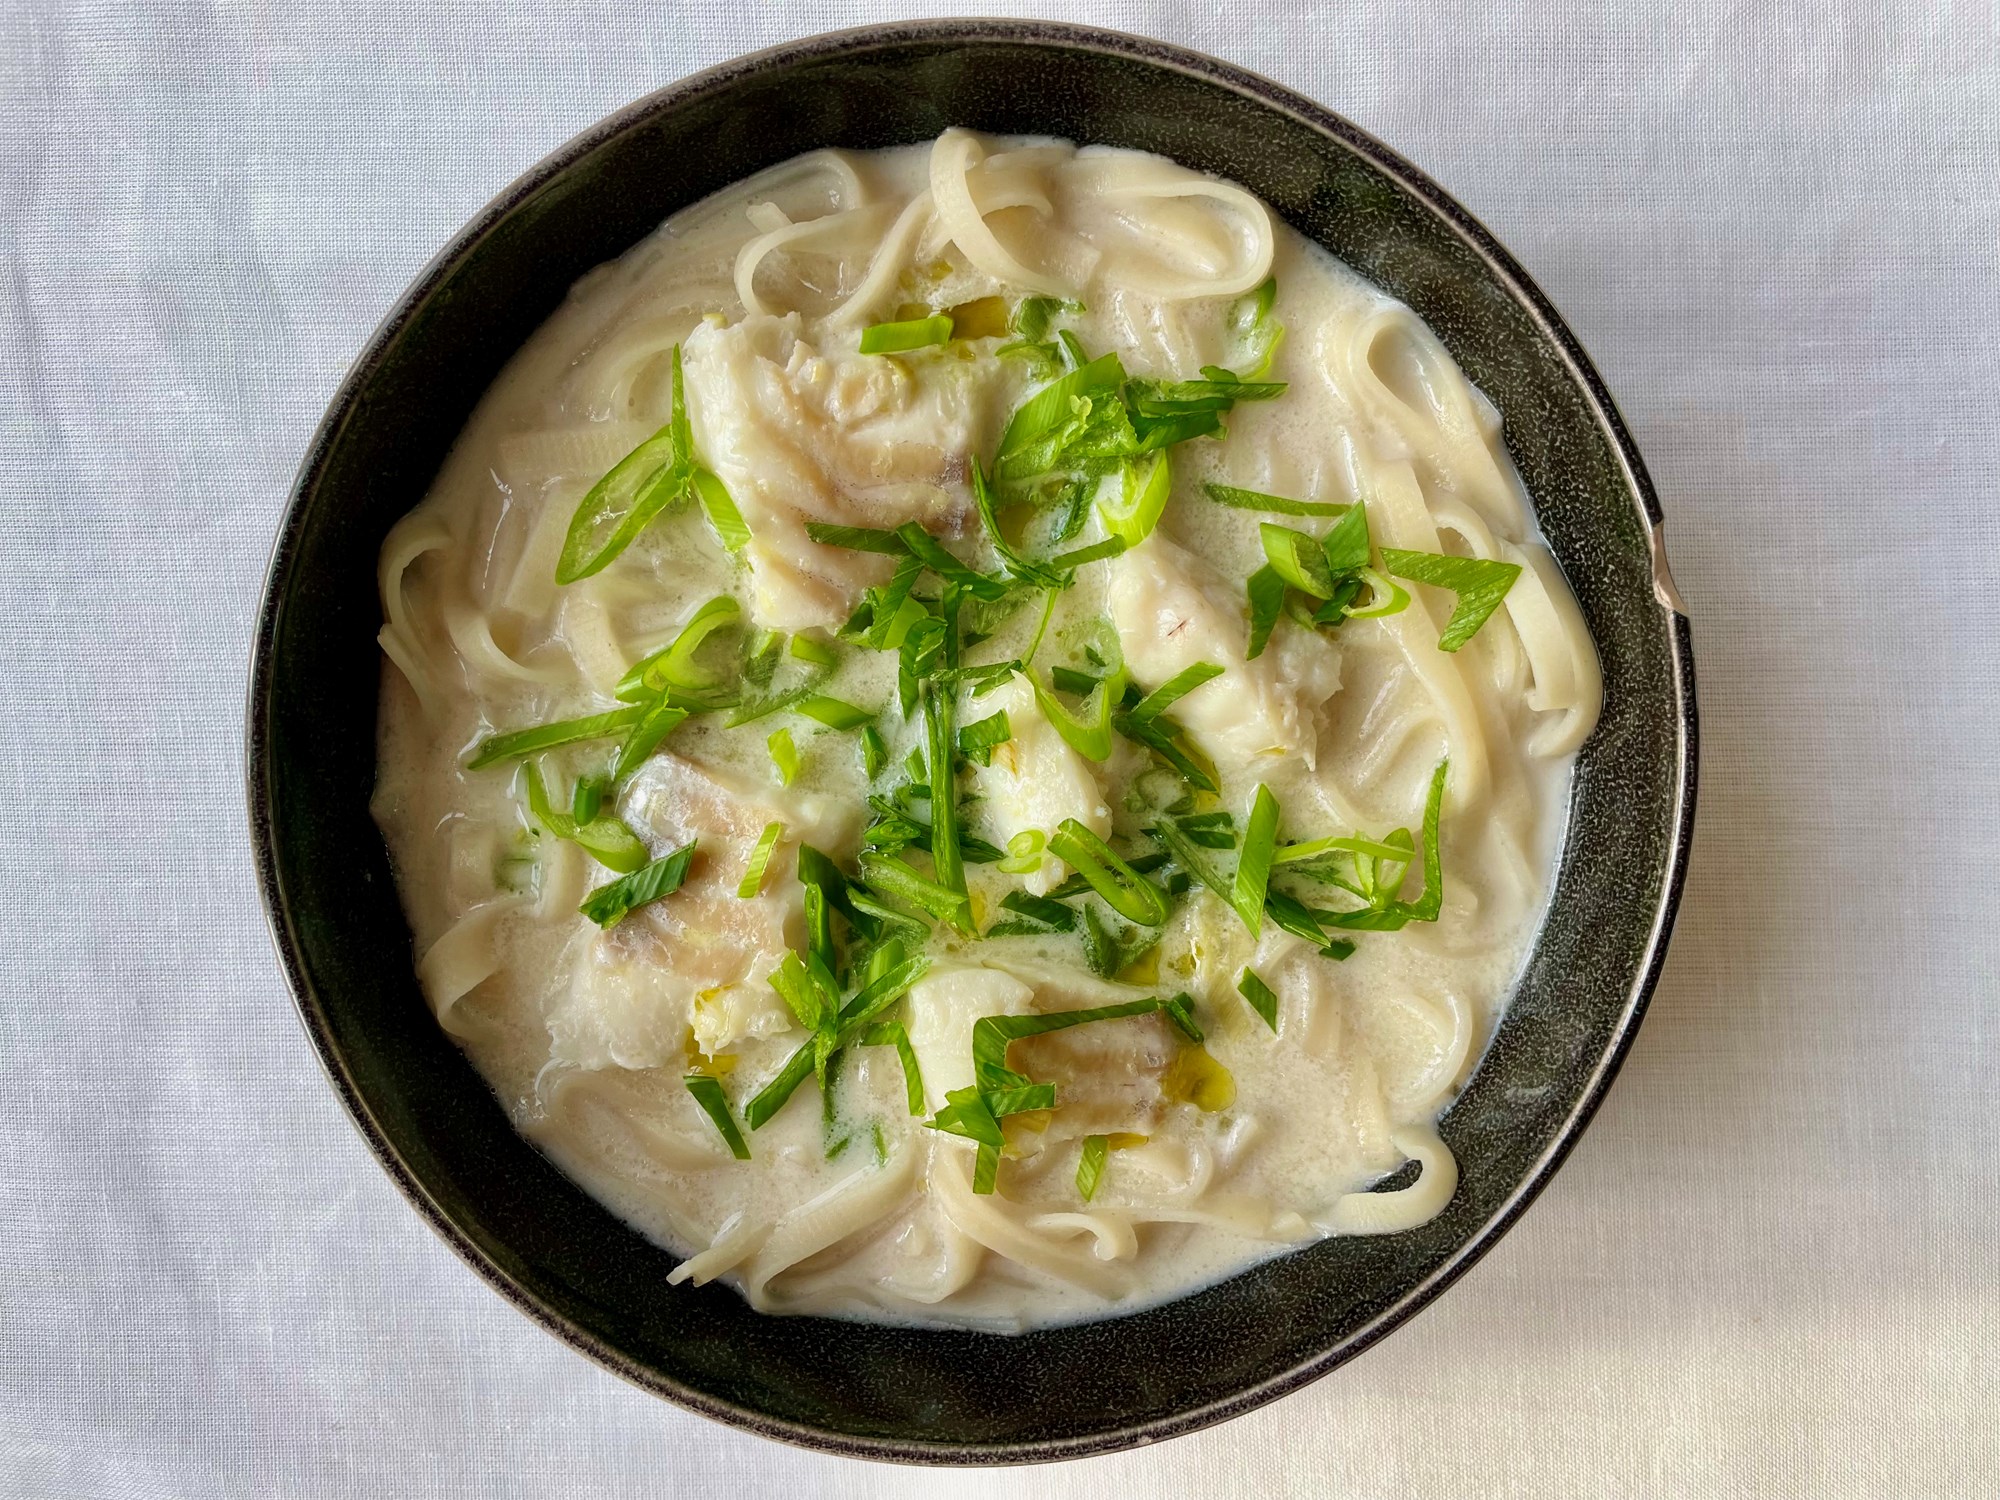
933,1395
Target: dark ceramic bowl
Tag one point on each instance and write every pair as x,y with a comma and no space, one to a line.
934,1396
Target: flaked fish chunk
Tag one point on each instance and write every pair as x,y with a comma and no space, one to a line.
700,959
798,435
1172,611
1035,781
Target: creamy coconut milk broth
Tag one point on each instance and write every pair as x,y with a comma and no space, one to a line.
1213,1154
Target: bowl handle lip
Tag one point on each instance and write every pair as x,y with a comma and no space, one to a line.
853,42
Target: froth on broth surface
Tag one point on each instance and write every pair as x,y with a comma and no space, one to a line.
1013,842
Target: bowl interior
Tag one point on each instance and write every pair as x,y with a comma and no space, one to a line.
883,1391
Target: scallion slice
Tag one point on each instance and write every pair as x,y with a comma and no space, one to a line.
1298,559
835,713
661,720
1480,584
715,1104
1253,865
784,755
1265,591
1174,689
1143,487
977,740
673,665
724,519
1277,505
1124,890
760,861
608,905
913,333
624,502
1253,989
519,742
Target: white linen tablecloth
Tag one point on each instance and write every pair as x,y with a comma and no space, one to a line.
1771,1267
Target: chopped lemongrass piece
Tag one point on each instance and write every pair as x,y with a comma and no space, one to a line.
1262,1000
1480,583
519,742
914,333
715,1104
760,860
835,713
608,904
1276,505
784,755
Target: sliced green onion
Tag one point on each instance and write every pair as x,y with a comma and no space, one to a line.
784,755
771,1098
605,839
1346,544
835,713
660,721
1042,911
896,880
940,560
1173,689
760,860
1356,844
1143,488
1265,591
1179,1011
1298,558
812,649
1253,865
1393,597
1089,737
708,1094
1277,505
1039,574
893,1034
1090,1167
1069,562
1024,853
947,859
673,665
857,538
977,740
1124,890
1258,993
724,519
519,742
1480,584
1023,446
624,502
608,904
915,333
874,751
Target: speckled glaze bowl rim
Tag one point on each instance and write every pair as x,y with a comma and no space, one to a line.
282,575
